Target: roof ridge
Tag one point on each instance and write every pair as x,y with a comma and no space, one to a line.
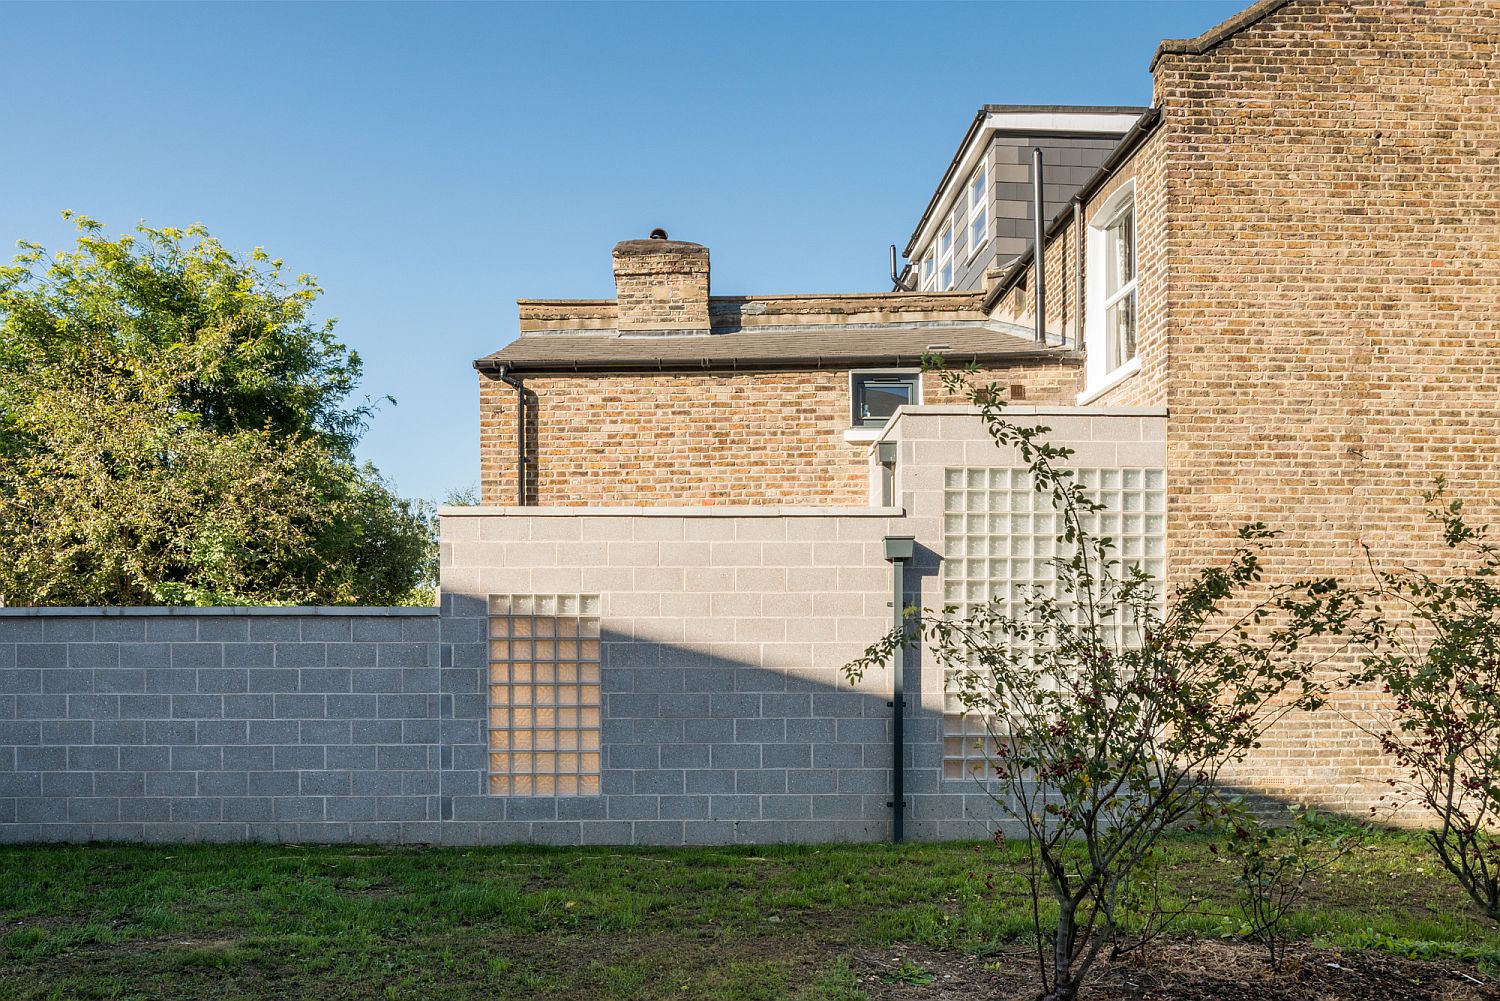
1218,33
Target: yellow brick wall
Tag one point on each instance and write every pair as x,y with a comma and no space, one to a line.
1330,180
701,438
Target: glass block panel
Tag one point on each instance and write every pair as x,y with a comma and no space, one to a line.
544,695
1018,535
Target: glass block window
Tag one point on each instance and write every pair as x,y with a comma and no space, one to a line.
544,695
999,541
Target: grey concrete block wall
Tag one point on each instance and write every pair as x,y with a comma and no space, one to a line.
725,716
276,724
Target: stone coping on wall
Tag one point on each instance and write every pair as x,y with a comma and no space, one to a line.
724,511
1031,410
376,611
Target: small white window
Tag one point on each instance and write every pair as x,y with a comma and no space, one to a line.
1110,324
979,210
929,270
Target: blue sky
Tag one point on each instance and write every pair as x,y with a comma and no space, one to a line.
433,163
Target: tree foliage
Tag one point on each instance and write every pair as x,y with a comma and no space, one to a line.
1111,712
1437,657
174,428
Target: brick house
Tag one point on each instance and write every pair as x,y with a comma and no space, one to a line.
1276,290
1273,298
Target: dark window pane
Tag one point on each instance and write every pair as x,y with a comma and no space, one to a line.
876,399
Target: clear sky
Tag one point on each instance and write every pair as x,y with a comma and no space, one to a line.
432,163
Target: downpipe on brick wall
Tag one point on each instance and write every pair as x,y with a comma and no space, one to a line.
520,389
898,550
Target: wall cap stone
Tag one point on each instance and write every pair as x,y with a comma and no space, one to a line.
725,511
132,611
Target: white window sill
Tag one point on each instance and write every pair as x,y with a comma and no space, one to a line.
858,436
1112,380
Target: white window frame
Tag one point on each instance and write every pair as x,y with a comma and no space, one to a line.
865,433
945,258
981,177
929,269
1099,377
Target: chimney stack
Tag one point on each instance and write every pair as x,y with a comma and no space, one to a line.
661,286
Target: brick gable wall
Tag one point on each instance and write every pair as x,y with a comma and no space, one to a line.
1332,247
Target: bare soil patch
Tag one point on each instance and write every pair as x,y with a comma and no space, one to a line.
1188,970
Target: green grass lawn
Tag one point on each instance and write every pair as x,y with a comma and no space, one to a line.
524,922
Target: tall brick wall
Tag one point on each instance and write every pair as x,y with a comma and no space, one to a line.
709,438
1332,342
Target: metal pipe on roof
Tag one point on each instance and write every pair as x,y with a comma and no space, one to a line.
1038,251
898,279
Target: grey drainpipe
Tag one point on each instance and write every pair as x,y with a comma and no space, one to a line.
1039,252
1077,273
520,389
898,550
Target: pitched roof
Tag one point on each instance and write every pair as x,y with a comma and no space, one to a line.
788,347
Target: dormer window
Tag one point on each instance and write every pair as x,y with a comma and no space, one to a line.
1110,324
929,271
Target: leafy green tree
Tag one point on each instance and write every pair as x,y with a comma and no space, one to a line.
174,429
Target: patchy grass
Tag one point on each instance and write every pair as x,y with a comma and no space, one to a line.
727,924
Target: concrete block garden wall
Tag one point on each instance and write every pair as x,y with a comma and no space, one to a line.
187,724
724,716
647,675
